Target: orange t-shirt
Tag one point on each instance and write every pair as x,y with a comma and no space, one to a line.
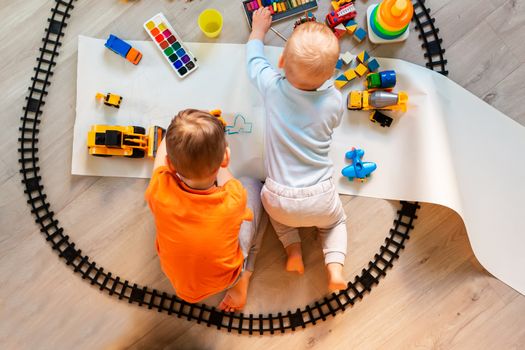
197,233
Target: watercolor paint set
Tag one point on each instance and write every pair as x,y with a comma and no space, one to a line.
171,45
280,9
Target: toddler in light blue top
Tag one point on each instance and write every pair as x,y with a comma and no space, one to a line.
300,119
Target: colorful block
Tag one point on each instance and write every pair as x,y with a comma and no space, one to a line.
360,34
339,31
351,29
339,84
340,81
351,26
373,65
339,64
363,56
347,57
361,69
350,74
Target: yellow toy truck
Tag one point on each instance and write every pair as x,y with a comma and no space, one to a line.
109,99
125,141
377,100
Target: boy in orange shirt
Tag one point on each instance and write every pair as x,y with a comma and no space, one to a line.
208,223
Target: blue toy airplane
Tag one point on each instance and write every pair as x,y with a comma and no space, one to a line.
358,169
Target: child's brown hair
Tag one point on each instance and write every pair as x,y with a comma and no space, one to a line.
195,143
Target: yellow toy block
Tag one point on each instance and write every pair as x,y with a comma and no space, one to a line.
340,83
351,29
361,69
363,56
350,74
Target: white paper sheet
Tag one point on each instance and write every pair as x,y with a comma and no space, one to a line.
449,148
152,94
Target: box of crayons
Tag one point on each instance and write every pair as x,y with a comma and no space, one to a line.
280,9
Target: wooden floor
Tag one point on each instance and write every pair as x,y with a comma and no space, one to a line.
437,296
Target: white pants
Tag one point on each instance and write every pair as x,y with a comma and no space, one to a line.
319,205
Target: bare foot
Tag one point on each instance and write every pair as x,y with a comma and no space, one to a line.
336,281
235,297
295,258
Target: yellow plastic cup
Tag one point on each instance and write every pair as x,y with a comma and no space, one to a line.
210,22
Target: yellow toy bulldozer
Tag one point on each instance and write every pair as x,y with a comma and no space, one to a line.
125,141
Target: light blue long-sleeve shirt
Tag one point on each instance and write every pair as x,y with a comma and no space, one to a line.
299,124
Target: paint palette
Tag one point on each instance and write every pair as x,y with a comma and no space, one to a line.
171,46
280,9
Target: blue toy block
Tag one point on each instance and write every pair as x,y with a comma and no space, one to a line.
350,23
373,65
360,34
339,64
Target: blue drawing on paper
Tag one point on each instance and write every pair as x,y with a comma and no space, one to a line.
240,126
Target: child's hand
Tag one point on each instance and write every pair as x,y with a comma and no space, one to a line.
261,22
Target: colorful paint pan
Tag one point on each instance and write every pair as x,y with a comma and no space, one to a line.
168,41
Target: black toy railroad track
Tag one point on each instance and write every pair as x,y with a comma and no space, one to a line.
428,33
164,302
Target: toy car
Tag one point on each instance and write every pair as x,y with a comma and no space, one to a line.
380,118
125,141
344,14
358,169
382,100
122,48
110,99
381,80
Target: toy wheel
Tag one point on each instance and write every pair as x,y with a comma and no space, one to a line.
137,153
101,155
139,130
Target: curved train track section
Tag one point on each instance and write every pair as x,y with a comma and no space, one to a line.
134,293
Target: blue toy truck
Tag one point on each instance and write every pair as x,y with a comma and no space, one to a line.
122,48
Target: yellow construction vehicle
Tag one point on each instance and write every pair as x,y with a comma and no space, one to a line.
110,99
125,141
377,100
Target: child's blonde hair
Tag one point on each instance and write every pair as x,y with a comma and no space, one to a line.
312,50
195,143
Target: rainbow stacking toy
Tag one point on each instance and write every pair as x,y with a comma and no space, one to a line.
388,21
